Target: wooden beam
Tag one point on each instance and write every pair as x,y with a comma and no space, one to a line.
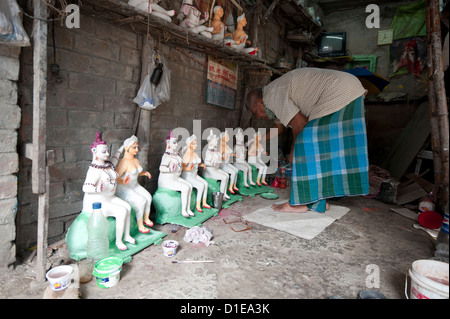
39,96
270,9
438,105
40,172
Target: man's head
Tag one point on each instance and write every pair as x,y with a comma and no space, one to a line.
255,104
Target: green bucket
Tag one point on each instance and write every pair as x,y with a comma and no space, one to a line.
107,271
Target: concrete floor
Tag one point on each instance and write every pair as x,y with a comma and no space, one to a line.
264,263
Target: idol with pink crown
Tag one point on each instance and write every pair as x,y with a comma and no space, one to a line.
100,186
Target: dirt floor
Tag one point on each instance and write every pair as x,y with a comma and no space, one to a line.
262,263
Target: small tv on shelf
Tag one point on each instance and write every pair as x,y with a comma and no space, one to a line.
332,44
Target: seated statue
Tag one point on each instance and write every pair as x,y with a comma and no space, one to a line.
213,159
100,186
227,153
191,163
238,40
153,8
219,27
128,188
190,19
241,155
254,157
170,174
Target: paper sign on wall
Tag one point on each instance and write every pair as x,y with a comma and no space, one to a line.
221,83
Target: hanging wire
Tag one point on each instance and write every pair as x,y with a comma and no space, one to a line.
62,13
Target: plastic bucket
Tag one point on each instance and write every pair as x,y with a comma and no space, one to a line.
429,280
107,271
170,248
217,200
59,277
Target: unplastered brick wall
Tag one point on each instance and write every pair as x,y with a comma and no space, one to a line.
100,74
9,159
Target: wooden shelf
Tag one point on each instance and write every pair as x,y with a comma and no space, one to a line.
120,13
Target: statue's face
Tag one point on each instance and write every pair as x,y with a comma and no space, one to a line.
101,152
193,144
239,136
213,141
133,149
172,144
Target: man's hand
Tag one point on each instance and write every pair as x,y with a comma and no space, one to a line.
297,123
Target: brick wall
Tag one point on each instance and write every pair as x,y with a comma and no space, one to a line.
100,68
9,159
100,71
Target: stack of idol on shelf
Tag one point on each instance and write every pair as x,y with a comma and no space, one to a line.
152,7
191,18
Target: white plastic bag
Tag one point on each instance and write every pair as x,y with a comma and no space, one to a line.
150,95
11,28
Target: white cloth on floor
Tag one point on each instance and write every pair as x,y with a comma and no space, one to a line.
198,235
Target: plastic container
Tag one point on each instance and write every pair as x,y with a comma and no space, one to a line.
85,267
283,179
60,277
97,244
170,248
429,280
107,271
442,238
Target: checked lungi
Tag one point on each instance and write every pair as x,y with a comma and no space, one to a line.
330,158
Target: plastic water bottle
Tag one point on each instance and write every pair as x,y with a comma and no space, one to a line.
98,244
442,238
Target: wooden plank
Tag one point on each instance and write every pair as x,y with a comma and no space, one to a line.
42,228
426,185
40,171
406,146
39,97
410,193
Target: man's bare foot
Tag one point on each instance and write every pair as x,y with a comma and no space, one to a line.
288,208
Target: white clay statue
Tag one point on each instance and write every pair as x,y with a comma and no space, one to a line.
170,175
154,8
254,157
227,154
100,186
128,188
240,38
191,163
190,19
218,33
213,159
241,155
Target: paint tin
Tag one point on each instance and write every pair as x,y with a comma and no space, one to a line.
107,271
60,277
170,248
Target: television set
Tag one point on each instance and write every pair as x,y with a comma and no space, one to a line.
332,44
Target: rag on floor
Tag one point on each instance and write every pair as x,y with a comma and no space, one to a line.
198,235
330,158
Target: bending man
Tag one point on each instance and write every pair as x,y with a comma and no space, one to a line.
325,109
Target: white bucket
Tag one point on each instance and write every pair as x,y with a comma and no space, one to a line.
170,248
429,280
59,277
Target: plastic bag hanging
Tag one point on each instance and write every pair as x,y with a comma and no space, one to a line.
11,27
155,88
